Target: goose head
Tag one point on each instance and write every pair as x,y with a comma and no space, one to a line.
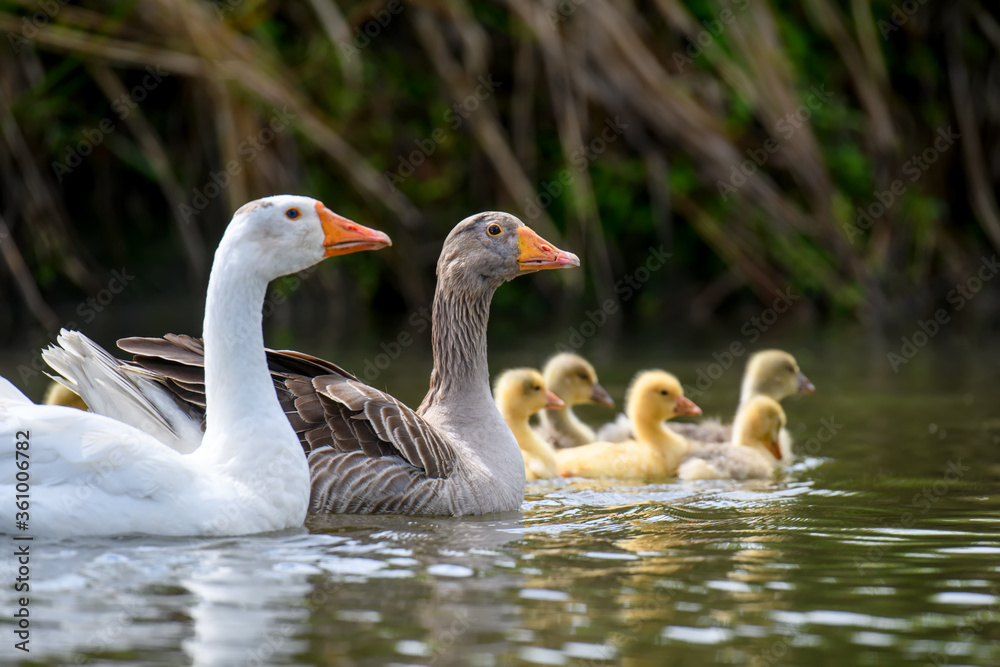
573,379
759,424
488,249
521,392
775,373
655,396
287,233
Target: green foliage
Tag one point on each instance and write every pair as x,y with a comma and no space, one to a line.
385,101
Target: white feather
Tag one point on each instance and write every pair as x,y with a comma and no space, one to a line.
110,388
124,471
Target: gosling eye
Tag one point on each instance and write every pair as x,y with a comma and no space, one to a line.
664,392
585,377
536,388
292,213
494,230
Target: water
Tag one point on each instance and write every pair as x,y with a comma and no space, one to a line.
879,546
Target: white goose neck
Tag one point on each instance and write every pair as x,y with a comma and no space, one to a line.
239,392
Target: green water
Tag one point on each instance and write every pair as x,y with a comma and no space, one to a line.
879,546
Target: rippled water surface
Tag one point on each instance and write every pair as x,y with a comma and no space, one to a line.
879,546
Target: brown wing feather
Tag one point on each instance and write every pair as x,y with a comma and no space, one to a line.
178,348
366,450
395,429
178,362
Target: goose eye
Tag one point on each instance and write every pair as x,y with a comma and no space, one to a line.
664,392
292,213
584,376
494,230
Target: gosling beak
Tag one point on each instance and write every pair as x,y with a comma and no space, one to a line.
600,396
535,253
685,406
553,402
342,236
773,447
805,386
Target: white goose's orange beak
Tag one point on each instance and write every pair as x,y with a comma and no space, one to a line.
535,253
343,236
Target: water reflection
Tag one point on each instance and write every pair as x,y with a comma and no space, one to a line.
867,550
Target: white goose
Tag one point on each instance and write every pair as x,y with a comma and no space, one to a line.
92,474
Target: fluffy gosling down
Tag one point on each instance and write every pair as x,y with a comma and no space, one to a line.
573,379
753,453
772,373
656,451
520,393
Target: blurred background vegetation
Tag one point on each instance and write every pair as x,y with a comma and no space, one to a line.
742,136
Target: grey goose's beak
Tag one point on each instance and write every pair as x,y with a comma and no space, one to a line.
535,253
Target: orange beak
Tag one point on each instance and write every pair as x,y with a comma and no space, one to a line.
342,236
685,406
553,402
535,253
773,447
805,386
600,396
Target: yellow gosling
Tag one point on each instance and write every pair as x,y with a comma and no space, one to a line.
772,373
573,379
653,397
754,451
520,393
